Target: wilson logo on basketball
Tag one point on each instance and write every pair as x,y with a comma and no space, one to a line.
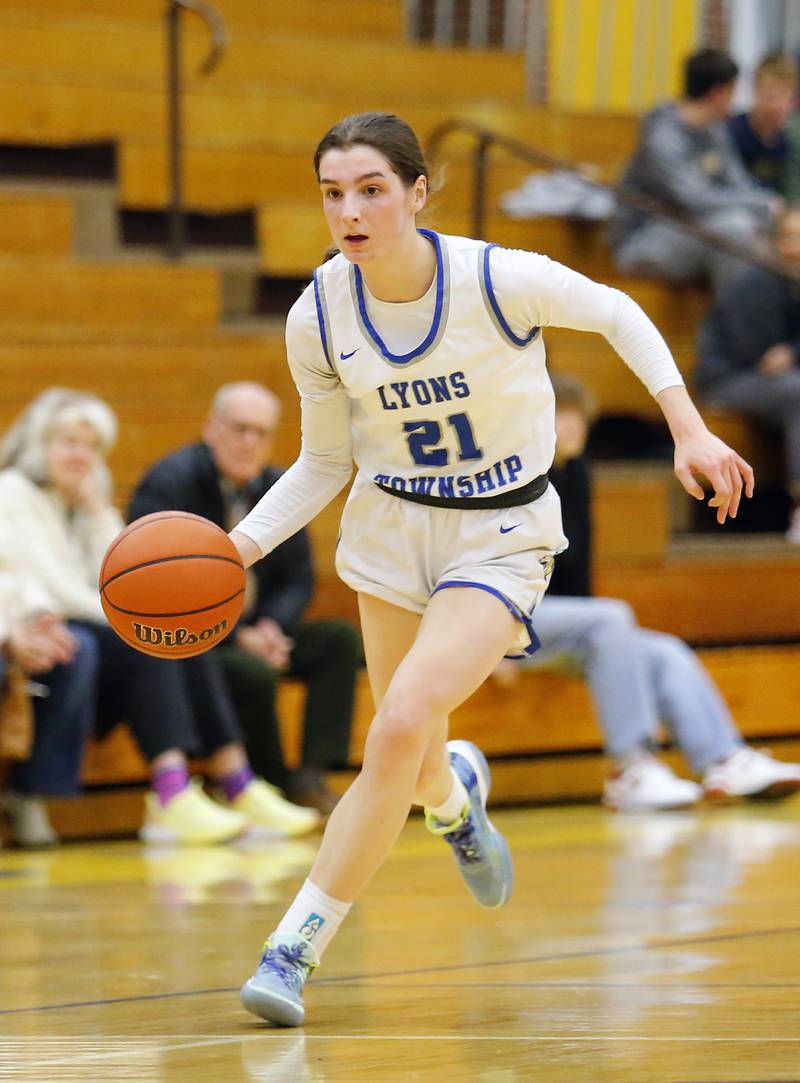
176,637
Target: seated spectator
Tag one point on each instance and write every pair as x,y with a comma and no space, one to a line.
684,159
638,677
222,478
58,521
748,349
760,134
56,669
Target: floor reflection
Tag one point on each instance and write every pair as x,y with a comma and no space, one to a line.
192,876
279,1058
674,876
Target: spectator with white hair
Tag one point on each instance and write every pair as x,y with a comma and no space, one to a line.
55,504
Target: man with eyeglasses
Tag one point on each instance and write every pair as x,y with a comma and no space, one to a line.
221,478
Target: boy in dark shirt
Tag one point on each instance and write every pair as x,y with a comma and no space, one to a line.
760,134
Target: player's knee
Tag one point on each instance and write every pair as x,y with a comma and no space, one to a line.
398,732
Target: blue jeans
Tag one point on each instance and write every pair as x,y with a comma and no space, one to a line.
638,678
62,721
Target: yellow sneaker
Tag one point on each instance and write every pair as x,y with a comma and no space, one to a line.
190,818
267,811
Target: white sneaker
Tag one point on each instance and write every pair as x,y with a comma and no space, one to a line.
646,784
750,773
268,812
30,823
190,818
793,530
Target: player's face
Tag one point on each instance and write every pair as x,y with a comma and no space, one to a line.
73,451
369,210
242,434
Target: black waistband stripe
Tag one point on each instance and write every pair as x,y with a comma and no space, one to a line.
526,494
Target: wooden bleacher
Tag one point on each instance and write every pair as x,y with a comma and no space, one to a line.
547,749
155,339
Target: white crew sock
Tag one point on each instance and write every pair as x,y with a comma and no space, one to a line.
315,915
453,807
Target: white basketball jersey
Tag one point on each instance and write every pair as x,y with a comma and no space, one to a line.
469,412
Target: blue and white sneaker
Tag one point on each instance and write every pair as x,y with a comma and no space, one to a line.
275,991
482,853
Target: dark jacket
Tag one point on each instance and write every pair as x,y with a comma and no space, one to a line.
757,311
572,575
188,480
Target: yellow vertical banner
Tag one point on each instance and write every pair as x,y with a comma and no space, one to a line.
618,55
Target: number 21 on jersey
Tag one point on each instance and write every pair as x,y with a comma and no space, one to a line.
424,436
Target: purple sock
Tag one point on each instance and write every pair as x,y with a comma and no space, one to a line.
170,781
236,781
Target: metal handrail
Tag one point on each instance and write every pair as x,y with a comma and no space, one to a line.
176,244
486,138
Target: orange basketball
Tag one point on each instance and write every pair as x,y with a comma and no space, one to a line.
172,584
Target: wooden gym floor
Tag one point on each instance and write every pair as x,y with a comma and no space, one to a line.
636,949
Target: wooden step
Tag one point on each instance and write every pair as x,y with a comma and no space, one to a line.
35,224
186,375
631,512
724,588
42,289
515,781
335,18
225,174
542,737
53,110
89,50
544,713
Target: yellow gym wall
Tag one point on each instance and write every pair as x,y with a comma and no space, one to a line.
619,56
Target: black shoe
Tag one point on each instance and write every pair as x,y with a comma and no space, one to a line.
307,786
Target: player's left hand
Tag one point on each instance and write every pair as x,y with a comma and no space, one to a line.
728,473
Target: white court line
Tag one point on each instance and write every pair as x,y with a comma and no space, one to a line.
129,1045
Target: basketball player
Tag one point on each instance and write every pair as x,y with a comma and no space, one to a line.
420,357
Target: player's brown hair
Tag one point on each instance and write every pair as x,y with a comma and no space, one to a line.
384,132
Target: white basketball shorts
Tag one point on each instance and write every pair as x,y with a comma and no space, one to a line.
404,552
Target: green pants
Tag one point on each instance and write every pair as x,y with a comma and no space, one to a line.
326,657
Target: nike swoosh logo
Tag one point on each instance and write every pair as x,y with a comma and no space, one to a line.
508,529
344,356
